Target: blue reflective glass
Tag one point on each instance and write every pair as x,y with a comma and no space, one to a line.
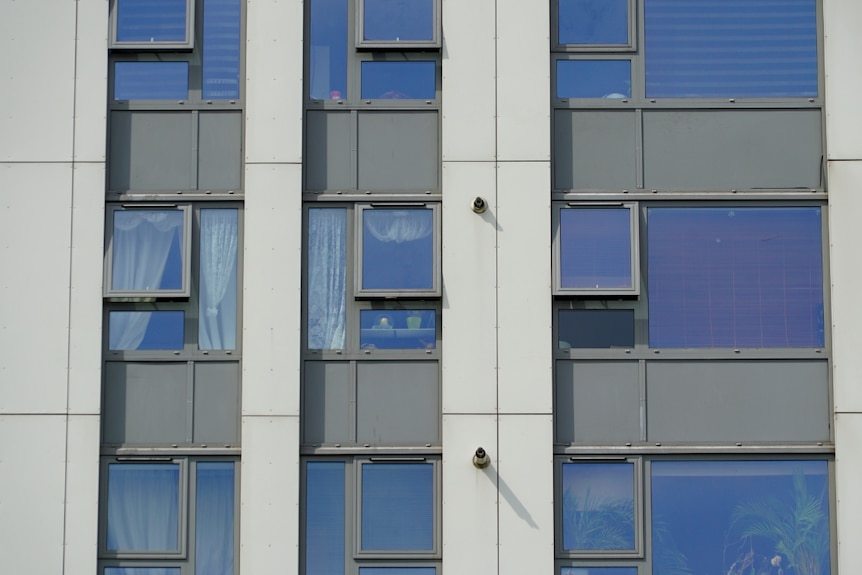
214,518
142,571
145,330
151,20
740,517
143,507
737,48
397,571
327,70
398,80
219,237
599,571
398,20
596,248
327,271
151,80
598,506
398,329
147,250
221,49
594,22
397,507
397,249
596,328
594,79
735,277
324,518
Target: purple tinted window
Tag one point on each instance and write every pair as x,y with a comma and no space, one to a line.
398,20
151,81
327,70
594,79
151,20
598,506
221,49
399,80
596,248
398,249
594,21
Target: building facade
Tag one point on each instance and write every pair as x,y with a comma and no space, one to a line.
305,258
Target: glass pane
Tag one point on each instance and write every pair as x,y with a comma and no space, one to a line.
598,506
214,518
324,518
141,571
600,571
151,81
397,570
596,248
397,507
130,330
594,79
151,21
594,22
218,249
147,251
741,277
398,80
740,517
327,71
596,328
398,21
221,49
143,507
750,48
327,270
398,329
397,249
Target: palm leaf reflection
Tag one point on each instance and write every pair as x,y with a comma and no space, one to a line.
593,523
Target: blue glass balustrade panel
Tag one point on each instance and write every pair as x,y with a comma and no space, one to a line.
221,50
151,81
598,506
147,250
151,21
324,518
596,248
143,507
214,518
397,570
327,272
219,237
594,79
599,571
397,249
146,330
731,49
594,22
397,507
596,328
414,80
398,21
740,517
327,70
735,277
398,329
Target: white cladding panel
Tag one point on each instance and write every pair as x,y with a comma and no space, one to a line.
37,40
31,493
91,82
35,277
271,289
82,494
843,44
523,80
469,294
848,469
469,495
524,271
269,521
273,89
469,83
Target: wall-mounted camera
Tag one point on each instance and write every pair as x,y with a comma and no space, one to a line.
479,205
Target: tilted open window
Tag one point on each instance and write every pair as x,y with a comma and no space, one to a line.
152,24
398,24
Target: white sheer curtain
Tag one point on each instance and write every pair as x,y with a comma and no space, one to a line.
214,520
143,507
398,225
218,249
327,269
127,329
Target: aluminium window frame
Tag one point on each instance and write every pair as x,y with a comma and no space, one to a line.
187,44
630,46
435,43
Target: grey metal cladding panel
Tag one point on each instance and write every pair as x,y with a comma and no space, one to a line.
738,401
217,397
146,403
326,404
730,149
219,150
329,151
398,151
595,149
597,402
398,403
152,151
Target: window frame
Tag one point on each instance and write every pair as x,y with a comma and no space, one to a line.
434,44
187,44
630,46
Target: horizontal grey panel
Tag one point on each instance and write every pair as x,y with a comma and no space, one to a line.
398,150
219,151
216,401
329,151
594,149
326,408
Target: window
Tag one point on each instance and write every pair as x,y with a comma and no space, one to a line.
148,24
398,24
169,515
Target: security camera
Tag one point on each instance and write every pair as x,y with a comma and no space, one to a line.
481,458
479,205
